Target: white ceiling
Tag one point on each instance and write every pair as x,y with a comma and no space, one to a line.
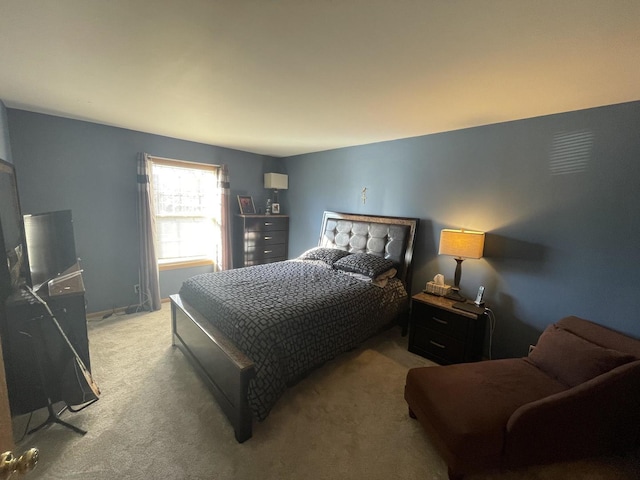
283,77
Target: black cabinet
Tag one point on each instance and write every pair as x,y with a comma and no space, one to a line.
261,239
444,334
35,353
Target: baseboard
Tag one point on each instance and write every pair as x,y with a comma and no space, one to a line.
99,315
115,311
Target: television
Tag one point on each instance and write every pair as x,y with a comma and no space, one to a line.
51,246
14,270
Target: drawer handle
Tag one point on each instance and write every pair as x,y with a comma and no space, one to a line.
439,345
268,238
267,224
268,251
443,322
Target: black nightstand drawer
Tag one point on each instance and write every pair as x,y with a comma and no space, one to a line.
440,320
443,333
435,344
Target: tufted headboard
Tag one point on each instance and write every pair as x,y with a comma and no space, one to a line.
389,237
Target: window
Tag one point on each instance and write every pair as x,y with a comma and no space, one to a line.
187,211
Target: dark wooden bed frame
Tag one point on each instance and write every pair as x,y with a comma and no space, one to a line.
224,368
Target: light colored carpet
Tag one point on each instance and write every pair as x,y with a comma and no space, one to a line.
347,420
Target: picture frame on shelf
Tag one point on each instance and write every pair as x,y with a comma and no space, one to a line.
275,208
246,205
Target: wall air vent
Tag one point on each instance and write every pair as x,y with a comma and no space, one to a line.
570,152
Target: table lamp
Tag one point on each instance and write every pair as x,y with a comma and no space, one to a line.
460,244
276,181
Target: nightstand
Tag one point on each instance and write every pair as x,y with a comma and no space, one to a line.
445,334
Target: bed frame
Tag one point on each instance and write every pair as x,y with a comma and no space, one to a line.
224,368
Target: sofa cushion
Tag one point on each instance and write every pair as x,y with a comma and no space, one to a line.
600,335
469,405
571,359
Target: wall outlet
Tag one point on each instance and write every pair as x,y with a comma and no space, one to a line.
136,288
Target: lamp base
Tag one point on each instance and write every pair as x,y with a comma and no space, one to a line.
454,294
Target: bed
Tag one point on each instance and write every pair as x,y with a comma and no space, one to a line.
252,332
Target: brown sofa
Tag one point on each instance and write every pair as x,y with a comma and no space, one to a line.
576,395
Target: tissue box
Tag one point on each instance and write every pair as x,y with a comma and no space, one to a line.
436,289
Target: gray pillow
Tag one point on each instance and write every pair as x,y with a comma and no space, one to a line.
364,263
327,255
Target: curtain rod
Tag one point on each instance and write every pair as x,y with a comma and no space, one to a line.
164,159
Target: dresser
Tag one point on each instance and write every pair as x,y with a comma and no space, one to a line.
445,334
260,239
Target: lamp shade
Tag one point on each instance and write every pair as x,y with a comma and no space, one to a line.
277,181
461,243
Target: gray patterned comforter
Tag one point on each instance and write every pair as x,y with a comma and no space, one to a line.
289,317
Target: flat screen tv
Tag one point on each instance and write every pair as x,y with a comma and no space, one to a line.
51,246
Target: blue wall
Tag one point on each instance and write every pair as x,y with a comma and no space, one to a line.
556,244
91,170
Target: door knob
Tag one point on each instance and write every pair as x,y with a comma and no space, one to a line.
10,464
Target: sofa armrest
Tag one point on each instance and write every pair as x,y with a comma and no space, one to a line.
594,418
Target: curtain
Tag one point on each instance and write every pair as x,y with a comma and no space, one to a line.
226,261
149,276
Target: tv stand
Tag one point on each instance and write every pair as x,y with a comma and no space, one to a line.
26,321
